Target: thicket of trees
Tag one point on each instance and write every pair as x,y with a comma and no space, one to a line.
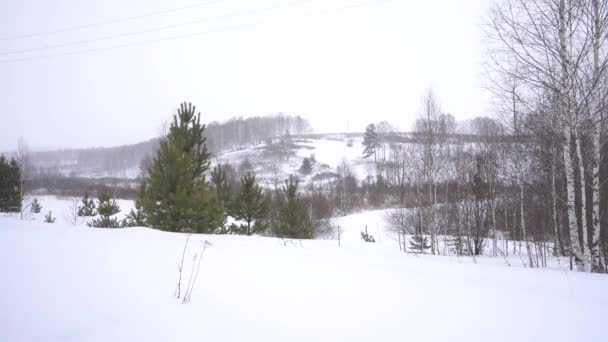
176,196
549,63
10,185
243,132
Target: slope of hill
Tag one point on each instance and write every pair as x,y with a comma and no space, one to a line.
71,283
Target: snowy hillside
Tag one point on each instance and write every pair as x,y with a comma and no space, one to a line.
65,283
328,152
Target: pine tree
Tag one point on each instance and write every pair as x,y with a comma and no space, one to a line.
294,220
306,167
35,207
419,242
135,218
106,207
87,207
176,192
370,142
222,190
48,218
250,205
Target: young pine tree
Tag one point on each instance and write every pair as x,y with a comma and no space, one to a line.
367,237
176,193
48,218
106,207
35,207
419,243
294,220
251,204
135,218
87,207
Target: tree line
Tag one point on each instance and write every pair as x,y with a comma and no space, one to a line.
548,61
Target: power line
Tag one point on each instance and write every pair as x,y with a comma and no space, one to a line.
189,35
111,21
156,29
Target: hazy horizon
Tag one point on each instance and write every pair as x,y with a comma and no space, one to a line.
85,74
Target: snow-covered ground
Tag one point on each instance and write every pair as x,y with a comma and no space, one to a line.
67,283
62,209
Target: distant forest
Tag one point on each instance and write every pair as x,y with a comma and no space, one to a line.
125,161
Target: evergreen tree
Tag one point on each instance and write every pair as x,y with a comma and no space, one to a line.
367,237
176,193
35,207
370,142
135,218
306,167
106,207
10,185
87,207
251,203
294,220
221,189
48,218
419,242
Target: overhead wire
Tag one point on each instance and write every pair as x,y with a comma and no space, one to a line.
155,29
110,22
189,35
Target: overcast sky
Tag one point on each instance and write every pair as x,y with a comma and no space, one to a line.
81,73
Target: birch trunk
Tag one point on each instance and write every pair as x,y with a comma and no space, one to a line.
558,247
565,101
575,242
522,221
585,246
596,260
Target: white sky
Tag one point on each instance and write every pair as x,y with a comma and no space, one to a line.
341,64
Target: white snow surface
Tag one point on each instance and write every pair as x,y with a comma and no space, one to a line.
66,283
62,209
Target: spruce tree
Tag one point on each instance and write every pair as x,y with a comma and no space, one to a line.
294,220
370,142
251,204
87,207
176,193
106,207
35,207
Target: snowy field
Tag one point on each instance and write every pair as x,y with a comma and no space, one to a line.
74,283
62,209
